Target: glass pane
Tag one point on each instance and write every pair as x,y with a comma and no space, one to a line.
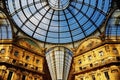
59,61
58,17
113,26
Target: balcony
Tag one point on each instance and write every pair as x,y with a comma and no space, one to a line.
98,63
20,64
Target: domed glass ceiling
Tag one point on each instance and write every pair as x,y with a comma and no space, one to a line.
58,21
113,26
5,27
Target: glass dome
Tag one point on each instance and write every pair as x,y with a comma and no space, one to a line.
113,26
5,27
58,21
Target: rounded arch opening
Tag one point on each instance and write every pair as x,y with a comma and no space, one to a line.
113,26
59,61
5,27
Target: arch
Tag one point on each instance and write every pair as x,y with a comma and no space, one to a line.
29,44
5,26
112,30
58,47
59,61
88,43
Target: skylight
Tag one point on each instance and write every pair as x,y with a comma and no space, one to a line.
58,21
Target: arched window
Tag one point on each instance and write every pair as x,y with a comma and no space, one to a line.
5,28
113,26
59,62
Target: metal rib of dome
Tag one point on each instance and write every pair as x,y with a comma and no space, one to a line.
60,21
